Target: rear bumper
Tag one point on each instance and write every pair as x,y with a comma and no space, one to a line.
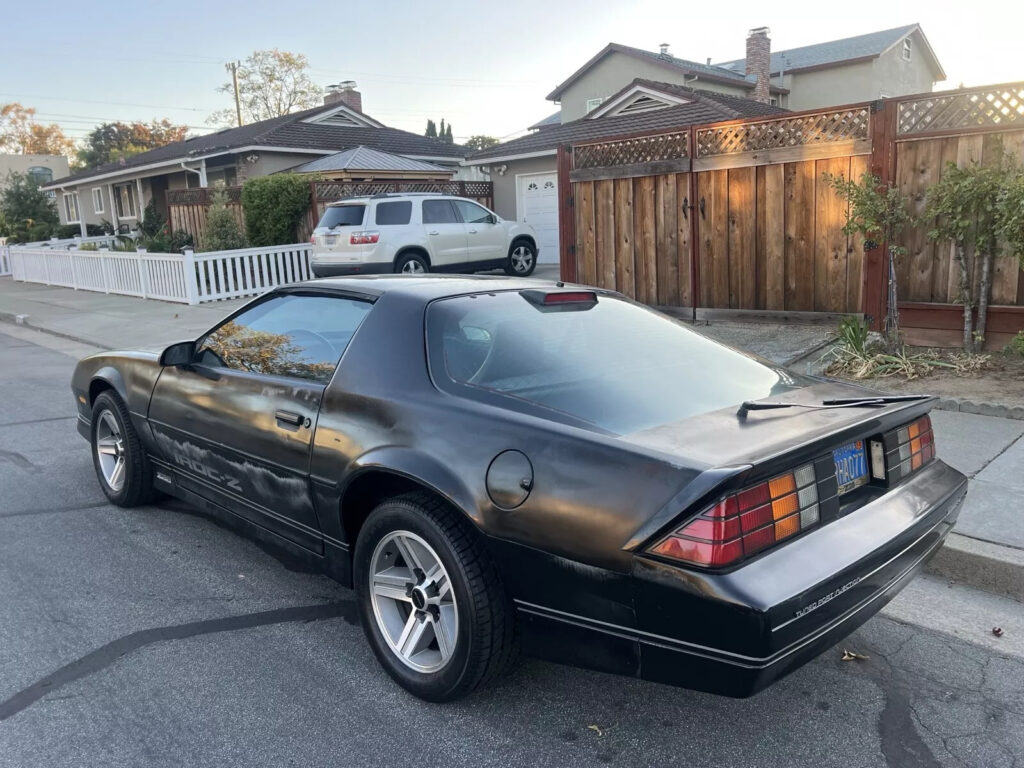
734,634
351,268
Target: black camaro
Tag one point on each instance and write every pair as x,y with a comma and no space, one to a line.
497,464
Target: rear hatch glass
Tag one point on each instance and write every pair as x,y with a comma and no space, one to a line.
613,364
342,216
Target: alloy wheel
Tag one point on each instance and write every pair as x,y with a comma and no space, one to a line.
413,601
413,267
522,259
111,451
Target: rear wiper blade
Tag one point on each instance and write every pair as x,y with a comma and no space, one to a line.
844,402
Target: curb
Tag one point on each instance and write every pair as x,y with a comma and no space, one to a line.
23,321
981,409
980,564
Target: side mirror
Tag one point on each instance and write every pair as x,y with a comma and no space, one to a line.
181,353
493,219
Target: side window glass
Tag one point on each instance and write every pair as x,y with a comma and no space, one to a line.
289,335
472,213
439,212
398,212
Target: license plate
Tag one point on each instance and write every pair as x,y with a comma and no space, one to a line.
851,466
330,239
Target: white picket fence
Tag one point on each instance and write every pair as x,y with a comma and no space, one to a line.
5,260
189,278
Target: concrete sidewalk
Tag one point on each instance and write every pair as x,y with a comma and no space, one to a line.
986,551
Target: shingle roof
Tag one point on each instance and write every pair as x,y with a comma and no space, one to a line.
712,72
833,52
285,132
366,159
703,107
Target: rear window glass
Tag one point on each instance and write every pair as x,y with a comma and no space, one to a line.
398,212
342,216
438,212
613,364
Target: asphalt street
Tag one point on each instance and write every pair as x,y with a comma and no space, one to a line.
161,637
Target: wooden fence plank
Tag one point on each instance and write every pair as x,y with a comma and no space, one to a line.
859,165
624,269
645,236
775,236
718,248
760,238
667,238
705,208
741,254
830,242
920,248
683,245
942,252
906,162
586,251
604,225
799,222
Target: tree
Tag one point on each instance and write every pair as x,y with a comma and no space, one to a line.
222,232
20,133
972,208
271,83
444,133
480,141
447,138
30,215
877,211
112,142
431,131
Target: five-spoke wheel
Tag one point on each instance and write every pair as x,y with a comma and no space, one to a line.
122,466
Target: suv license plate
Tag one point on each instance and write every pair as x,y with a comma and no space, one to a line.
851,466
330,239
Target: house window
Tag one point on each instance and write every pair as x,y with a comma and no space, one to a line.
71,207
593,104
906,49
40,174
773,100
97,199
124,199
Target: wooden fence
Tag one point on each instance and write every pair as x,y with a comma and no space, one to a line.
737,215
187,209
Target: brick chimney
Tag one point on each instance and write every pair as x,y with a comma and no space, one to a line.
759,59
344,93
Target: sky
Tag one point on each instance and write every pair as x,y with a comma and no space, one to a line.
483,66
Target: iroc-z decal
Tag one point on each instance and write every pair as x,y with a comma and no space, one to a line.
208,472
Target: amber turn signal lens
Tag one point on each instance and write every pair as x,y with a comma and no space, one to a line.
780,486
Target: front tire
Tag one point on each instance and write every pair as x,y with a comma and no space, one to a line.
122,467
522,259
412,264
432,606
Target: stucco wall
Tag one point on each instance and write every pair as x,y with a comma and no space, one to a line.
58,164
505,185
614,72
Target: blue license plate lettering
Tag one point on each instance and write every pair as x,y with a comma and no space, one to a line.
851,466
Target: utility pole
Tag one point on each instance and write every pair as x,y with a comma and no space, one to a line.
233,67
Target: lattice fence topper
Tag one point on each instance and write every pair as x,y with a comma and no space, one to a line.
820,128
640,149
970,108
327,191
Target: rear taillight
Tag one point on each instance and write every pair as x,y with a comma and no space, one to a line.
908,448
747,522
312,240
364,238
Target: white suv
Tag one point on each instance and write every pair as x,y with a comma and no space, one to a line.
416,233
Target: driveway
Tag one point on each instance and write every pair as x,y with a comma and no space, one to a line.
160,637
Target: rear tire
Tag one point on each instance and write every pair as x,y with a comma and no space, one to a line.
122,466
442,626
412,264
521,260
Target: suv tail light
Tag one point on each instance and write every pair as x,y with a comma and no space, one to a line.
747,522
364,238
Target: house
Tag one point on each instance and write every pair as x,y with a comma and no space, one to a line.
525,182
365,164
42,168
119,192
609,91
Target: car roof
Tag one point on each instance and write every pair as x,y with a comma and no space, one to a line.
425,287
385,196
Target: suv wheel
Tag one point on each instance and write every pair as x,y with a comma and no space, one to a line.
522,259
412,264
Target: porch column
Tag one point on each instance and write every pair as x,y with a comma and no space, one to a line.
141,207
113,208
202,173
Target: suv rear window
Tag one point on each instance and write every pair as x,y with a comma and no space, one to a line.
612,364
398,212
342,216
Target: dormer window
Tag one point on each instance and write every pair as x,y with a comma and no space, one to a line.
906,49
593,104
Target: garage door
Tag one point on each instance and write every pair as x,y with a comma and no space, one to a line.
538,196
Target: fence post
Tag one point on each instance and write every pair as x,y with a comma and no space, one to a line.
74,276
46,266
883,166
566,216
188,267
140,259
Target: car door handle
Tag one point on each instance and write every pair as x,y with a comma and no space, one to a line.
472,231
288,417
432,232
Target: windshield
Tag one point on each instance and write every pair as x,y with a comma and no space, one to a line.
342,216
613,364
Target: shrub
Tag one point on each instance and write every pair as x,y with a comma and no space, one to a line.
153,222
274,206
222,231
29,213
1016,345
67,231
166,241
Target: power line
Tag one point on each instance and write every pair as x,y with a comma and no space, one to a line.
107,103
